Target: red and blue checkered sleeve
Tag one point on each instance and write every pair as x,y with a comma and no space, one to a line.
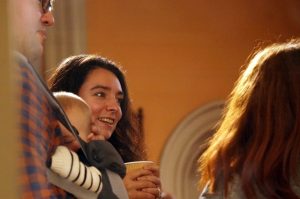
39,135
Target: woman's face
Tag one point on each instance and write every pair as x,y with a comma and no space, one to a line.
102,91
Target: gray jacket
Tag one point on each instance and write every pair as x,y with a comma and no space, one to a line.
235,191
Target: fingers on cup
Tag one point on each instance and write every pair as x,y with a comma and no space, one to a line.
139,185
153,168
134,174
151,178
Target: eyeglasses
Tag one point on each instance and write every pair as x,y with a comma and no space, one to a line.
47,5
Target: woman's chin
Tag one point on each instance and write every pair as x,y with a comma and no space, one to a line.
107,135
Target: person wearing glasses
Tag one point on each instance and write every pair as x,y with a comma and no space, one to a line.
39,133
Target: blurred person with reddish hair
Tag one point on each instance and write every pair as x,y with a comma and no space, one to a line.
255,151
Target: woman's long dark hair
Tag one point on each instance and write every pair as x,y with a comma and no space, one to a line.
259,136
69,77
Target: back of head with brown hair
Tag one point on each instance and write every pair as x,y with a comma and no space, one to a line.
259,136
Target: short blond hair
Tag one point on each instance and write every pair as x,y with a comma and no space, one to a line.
69,100
70,103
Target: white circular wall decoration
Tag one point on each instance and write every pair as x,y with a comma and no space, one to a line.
178,163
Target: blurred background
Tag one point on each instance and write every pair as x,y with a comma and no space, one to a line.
181,60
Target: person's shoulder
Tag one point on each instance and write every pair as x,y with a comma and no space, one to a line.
206,194
23,66
234,192
20,59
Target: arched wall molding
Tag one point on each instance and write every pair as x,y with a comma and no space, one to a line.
68,36
178,163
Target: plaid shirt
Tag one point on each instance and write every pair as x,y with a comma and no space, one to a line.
39,135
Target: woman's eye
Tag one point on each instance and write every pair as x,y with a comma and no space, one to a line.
100,94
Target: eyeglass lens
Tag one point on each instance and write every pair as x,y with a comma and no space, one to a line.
46,5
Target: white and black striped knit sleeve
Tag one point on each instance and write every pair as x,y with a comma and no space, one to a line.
66,164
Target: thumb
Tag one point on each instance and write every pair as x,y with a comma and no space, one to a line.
92,136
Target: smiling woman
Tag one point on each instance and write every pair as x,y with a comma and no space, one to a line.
104,95
102,85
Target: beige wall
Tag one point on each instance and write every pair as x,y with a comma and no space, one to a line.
180,55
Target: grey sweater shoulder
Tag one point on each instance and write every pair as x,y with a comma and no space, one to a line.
235,190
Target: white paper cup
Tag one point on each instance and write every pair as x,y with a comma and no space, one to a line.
137,165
